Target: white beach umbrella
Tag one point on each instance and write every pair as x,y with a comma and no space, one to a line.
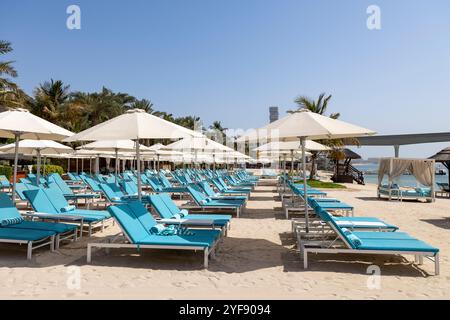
199,144
115,146
291,145
37,148
21,124
304,125
135,124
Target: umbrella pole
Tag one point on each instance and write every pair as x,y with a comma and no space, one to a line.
38,171
292,162
305,187
115,165
82,165
76,164
16,160
138,169
284,173
45,163
90,165
68,164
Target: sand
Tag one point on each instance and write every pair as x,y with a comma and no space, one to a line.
258,260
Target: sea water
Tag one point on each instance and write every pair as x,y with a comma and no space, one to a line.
403,181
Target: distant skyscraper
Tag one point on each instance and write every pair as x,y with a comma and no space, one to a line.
273,111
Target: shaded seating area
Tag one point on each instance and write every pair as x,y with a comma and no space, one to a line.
443,157
344,172
422,169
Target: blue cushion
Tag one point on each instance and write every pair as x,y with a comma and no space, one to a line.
354,239
68,208
10,221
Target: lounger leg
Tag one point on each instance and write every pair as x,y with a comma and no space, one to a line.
436,264
420,260
57,239
238,212
90,229
305,259
89,253
52,244
103,225
205,258
29,250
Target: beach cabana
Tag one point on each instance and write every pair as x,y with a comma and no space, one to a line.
422,169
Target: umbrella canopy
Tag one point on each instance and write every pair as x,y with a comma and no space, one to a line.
29,126
135,124
198,143
308,125
38,148
21,124
35,147
304,125
114,146
291,145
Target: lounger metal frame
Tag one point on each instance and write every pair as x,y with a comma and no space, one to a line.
33,245
207,251
317,247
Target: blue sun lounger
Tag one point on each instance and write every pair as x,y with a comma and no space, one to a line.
211,194
55,181
136,224
227,191
8,211
355,223
115,195
4,182
203,202
33,239
50,202
367,243
168,210
332,206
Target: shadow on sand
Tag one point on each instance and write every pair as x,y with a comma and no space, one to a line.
347,263
443,223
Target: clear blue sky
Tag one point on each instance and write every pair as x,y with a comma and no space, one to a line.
230,60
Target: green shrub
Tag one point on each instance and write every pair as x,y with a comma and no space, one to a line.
6,171
50,168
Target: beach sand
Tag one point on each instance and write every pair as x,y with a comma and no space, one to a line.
258,260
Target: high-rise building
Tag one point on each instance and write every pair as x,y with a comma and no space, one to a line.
273,114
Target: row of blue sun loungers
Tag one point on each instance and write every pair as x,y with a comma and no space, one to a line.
326,233
50,201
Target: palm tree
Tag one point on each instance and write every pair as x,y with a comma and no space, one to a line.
10,94
143,104
219,132
106,104
49,98
319,106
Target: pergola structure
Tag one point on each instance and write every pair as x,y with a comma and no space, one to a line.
443,157
399,140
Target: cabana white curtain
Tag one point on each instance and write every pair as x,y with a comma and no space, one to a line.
422,170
